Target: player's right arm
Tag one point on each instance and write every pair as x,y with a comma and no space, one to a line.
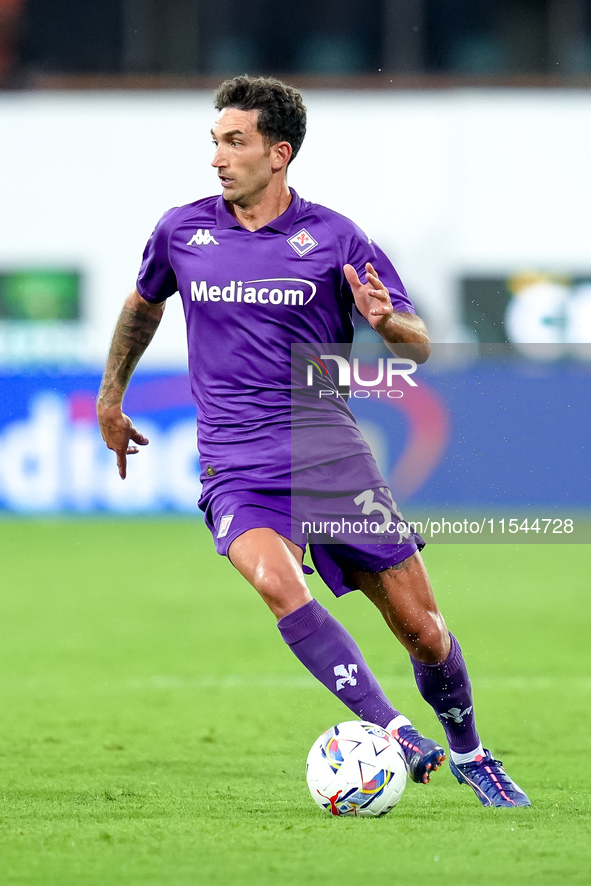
137,323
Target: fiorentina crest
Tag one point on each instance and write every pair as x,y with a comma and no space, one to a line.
302,242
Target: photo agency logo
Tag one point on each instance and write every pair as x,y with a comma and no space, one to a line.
344,377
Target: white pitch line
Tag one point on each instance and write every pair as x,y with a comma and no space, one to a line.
305,681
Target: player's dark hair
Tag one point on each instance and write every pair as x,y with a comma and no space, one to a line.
282,113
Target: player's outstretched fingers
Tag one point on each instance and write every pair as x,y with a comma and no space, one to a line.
122,462
351,277
374,279
129,449
138,438
381,303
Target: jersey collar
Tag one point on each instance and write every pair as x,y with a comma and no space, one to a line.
283,224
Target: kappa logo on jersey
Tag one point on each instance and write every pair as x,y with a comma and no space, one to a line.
202,237
225,525
302,242
345,672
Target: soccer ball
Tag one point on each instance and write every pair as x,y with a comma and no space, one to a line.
356,768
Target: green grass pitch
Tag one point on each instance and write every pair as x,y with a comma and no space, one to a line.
154,727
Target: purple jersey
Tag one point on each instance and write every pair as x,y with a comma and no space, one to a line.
248,296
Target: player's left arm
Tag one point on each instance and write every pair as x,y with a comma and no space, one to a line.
405,334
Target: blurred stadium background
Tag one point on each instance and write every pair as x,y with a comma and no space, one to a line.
456,134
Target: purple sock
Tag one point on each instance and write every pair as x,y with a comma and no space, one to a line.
446,687
332,656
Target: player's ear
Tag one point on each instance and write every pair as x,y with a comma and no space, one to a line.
281,153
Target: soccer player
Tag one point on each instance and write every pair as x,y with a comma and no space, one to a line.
259,269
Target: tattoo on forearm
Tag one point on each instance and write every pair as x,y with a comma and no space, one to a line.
133,333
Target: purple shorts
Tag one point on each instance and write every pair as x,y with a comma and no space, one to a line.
346,532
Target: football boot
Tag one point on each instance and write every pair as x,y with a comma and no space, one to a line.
423,755
489,781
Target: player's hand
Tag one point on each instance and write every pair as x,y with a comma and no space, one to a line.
372,298
117,431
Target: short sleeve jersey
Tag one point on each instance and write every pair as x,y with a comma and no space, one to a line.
247,297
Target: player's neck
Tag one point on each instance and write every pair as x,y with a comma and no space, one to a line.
272,204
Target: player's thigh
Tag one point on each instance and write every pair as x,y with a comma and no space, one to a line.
273,565
404,596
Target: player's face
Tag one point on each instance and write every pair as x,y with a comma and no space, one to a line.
243,158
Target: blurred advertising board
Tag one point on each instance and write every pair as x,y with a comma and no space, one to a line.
52,457
489,427
548,308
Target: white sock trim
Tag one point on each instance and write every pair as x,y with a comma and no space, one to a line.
397,722
467,758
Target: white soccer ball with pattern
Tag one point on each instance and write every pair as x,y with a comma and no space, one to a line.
356,768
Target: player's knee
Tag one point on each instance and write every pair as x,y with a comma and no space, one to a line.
430,643
282,593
